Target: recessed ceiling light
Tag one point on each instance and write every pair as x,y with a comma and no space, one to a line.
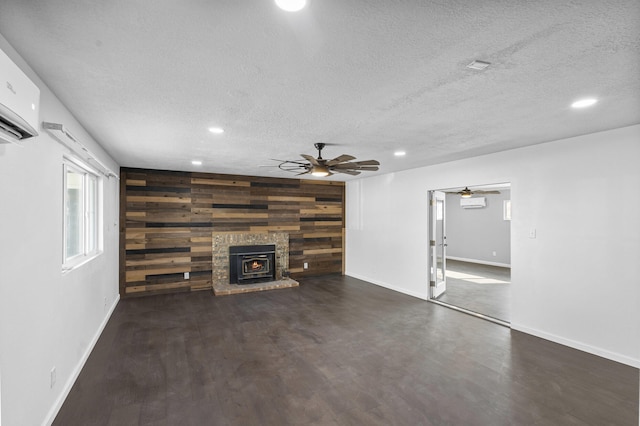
291,5
216,130
583,103
399,153
196,163
478,65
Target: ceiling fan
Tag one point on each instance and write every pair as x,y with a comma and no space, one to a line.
467,193
321,167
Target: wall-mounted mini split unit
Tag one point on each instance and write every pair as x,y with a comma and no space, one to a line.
19,103
473,203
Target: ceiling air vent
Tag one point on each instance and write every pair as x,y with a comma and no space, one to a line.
478,65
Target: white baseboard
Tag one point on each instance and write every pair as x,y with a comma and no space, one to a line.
613,356
53,412
389,286
482,262
623,359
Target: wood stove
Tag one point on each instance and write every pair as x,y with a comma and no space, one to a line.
252,264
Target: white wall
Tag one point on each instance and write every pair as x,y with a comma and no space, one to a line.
47,319
577,283
476,234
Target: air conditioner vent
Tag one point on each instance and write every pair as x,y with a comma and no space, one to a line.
19,103
473,203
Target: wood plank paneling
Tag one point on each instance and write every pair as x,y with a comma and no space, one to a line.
167,219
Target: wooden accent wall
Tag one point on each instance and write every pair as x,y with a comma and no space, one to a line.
167,219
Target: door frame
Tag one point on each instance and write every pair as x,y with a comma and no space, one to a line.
430,257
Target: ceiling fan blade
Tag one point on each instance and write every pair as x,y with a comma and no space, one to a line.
303,173
486,192
344,166
348,172
341,159
287,161
354,166
310,159
367,163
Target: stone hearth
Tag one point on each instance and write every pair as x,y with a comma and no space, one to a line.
226,289
220,274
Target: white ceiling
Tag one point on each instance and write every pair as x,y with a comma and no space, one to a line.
147,79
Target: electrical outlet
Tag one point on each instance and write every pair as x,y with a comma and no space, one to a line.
532,233
53,377
494,253
186,275
305,266
105,303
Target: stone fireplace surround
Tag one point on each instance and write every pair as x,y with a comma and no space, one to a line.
221,241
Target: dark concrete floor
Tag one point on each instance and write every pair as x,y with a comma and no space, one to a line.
479,288
335,351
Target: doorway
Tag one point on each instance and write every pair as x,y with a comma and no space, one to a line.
470,251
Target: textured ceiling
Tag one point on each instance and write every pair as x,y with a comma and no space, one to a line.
147,79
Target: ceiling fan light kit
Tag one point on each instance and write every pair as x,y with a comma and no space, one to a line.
320,171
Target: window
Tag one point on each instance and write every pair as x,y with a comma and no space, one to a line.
81,214
506,209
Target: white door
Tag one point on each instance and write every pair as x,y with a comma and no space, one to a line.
437,244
